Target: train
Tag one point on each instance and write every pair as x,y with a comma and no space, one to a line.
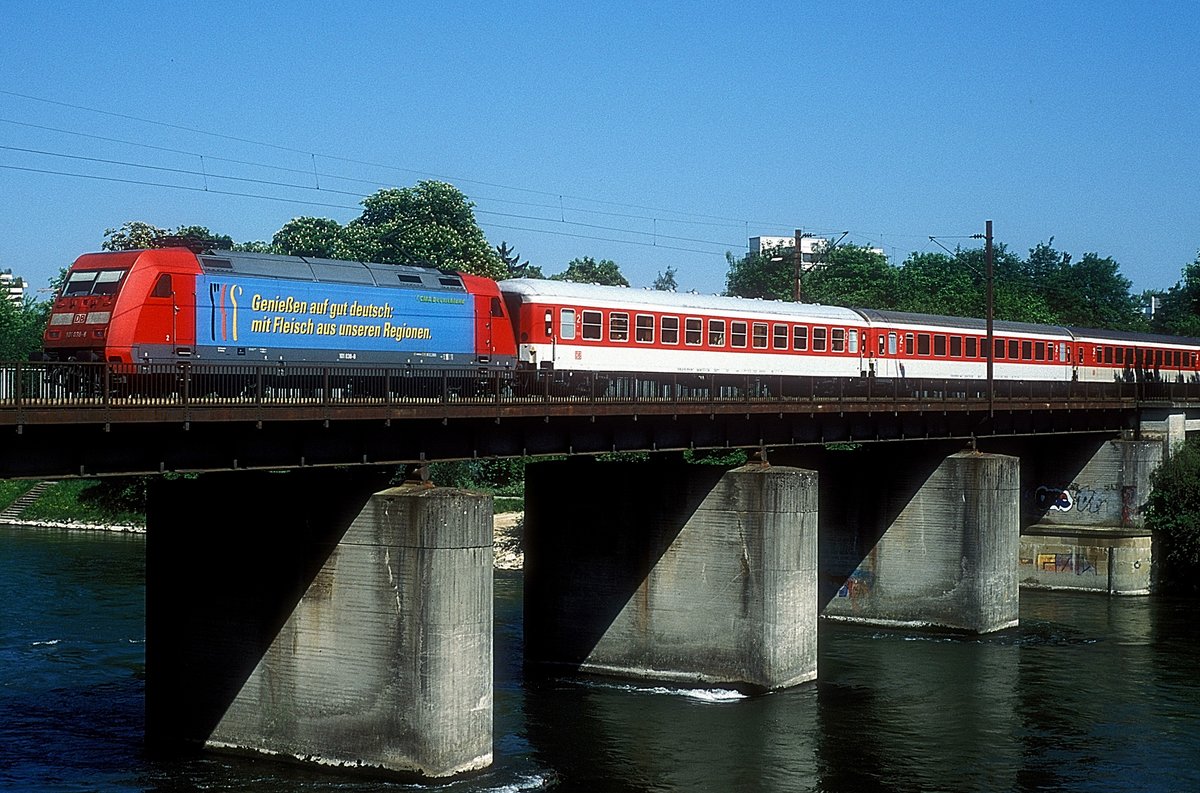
175,305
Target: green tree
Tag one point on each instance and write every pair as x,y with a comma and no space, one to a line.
850,275
21,327
431,224
133,235
935,283
666,281
199,235
308,236
137,235
1092,293
768,275
1173,515
1179,313
589,271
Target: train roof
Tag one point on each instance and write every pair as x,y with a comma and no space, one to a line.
674,301
1136,337
308,268
961,323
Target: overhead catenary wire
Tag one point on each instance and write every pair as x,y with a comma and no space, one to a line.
715,219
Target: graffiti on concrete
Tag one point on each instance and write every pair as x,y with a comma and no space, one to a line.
1072,562
857,585
1053,498
1084,499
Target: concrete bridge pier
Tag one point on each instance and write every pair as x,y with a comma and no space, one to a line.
673,572
920,535
1082,502
314,617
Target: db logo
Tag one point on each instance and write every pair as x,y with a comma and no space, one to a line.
79,318
579,355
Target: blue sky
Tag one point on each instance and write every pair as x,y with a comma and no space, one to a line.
654,134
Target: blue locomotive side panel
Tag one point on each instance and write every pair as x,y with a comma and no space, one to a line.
385,324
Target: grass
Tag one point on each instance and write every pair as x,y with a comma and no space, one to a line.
67,502
502,504
12,489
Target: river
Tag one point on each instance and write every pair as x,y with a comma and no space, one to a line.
1089,694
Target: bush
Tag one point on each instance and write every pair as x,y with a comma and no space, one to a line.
1173,515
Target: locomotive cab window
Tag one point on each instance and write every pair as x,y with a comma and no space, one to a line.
670,330
644,328
618,326
566,323
92,282
162,287
593,325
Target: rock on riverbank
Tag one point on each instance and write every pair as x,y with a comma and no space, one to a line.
508,533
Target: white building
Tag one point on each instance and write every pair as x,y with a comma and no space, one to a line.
12,287
811,248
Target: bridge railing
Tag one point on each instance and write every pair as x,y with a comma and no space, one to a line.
87,385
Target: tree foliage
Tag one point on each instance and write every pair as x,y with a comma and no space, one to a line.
587,270
850,275
665,282
1173,514
431,224
1180,310
309,236
767,276
513,264
137,235
21,327
1045,288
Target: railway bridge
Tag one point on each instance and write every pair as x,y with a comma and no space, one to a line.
300,606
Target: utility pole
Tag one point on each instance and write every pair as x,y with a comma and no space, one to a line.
991,343
797,291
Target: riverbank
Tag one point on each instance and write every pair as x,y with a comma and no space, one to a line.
508,530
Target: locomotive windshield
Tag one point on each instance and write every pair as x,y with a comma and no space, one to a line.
93,282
